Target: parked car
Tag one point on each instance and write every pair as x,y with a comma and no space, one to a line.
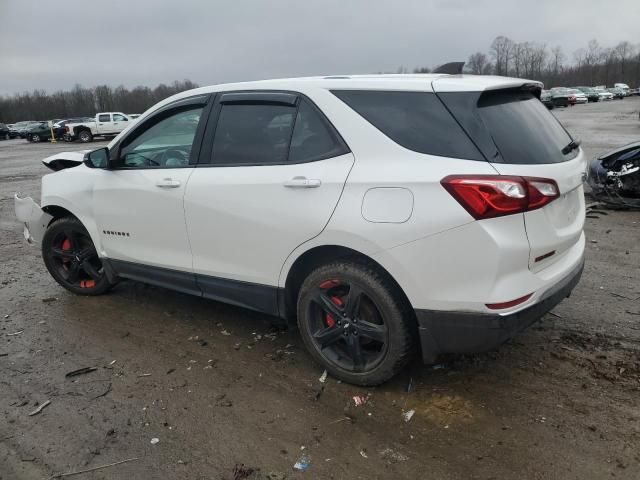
381,216
617,93
59,129
561,97
547,99
4,132
614,177
105,124
624,87
580,97
19,129
604,94
591,94
38,132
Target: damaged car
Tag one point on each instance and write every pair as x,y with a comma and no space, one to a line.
386,215
615,177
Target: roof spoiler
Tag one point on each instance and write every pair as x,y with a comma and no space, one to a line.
451,68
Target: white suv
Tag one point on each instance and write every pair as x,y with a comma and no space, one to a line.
387,213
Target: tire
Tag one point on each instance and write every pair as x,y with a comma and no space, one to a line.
71,258
85,136
7,137
367,347
35,138
67,138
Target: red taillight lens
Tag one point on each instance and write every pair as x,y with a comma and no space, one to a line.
509,304
490,196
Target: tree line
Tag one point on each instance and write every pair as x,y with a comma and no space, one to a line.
81,101
588,66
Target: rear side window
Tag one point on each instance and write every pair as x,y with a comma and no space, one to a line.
312,137
522,128
104,118
416,120
253,134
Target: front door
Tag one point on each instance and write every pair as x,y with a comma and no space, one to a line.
139,203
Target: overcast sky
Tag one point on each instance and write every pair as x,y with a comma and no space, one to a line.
54,45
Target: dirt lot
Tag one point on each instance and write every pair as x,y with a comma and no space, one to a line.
221,386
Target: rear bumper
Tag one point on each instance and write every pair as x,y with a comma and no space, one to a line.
468,332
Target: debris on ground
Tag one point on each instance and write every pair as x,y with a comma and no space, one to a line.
4,354
363,454
49,299
154,441
408,415
323,377
40,408
144,375
303,462
240,472
200,341
224,332
81,371
360,400
392,456
14,333
100,467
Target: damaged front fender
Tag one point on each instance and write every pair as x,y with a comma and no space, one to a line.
35,220
615,177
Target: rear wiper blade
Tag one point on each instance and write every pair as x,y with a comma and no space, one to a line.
573,145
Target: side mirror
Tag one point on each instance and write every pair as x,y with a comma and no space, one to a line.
98,158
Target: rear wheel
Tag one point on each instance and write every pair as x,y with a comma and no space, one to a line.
35,138
85,136
355,323
71,258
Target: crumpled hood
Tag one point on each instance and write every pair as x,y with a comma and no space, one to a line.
60,161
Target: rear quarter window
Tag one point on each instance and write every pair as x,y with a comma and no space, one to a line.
417,121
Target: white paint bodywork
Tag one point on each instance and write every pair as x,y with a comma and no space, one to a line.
382,200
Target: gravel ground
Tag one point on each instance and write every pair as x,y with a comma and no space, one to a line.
219,386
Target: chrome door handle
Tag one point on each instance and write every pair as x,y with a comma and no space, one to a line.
302,182
167,183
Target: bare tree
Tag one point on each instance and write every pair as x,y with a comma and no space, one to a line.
478,64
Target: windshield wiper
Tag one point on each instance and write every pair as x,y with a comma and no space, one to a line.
573,145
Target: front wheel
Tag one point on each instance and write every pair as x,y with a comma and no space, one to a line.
35,138
355,323
85,136
71,258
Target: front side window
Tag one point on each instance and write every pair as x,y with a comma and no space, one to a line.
119,118
166,144
252,134
104,118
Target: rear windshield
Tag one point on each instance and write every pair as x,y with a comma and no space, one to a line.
522,128
416,120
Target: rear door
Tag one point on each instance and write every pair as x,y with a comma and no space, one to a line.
103,122
521,137
118,122
270,174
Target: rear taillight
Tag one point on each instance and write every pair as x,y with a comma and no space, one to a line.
490,196
66,129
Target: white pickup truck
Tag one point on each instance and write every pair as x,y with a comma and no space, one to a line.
106,124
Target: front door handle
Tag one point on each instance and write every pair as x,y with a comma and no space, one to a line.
168,183
302,182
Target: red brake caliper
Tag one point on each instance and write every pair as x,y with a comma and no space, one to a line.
327,284
66,245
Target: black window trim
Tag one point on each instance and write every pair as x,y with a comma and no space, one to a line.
258,97
202,100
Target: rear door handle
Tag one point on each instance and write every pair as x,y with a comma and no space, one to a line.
167,183
302,182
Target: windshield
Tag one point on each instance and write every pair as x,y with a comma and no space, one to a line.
522,128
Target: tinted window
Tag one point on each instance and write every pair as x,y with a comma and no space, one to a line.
166,143
119,118
416,120
253,134
312,137
104,118
523,129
